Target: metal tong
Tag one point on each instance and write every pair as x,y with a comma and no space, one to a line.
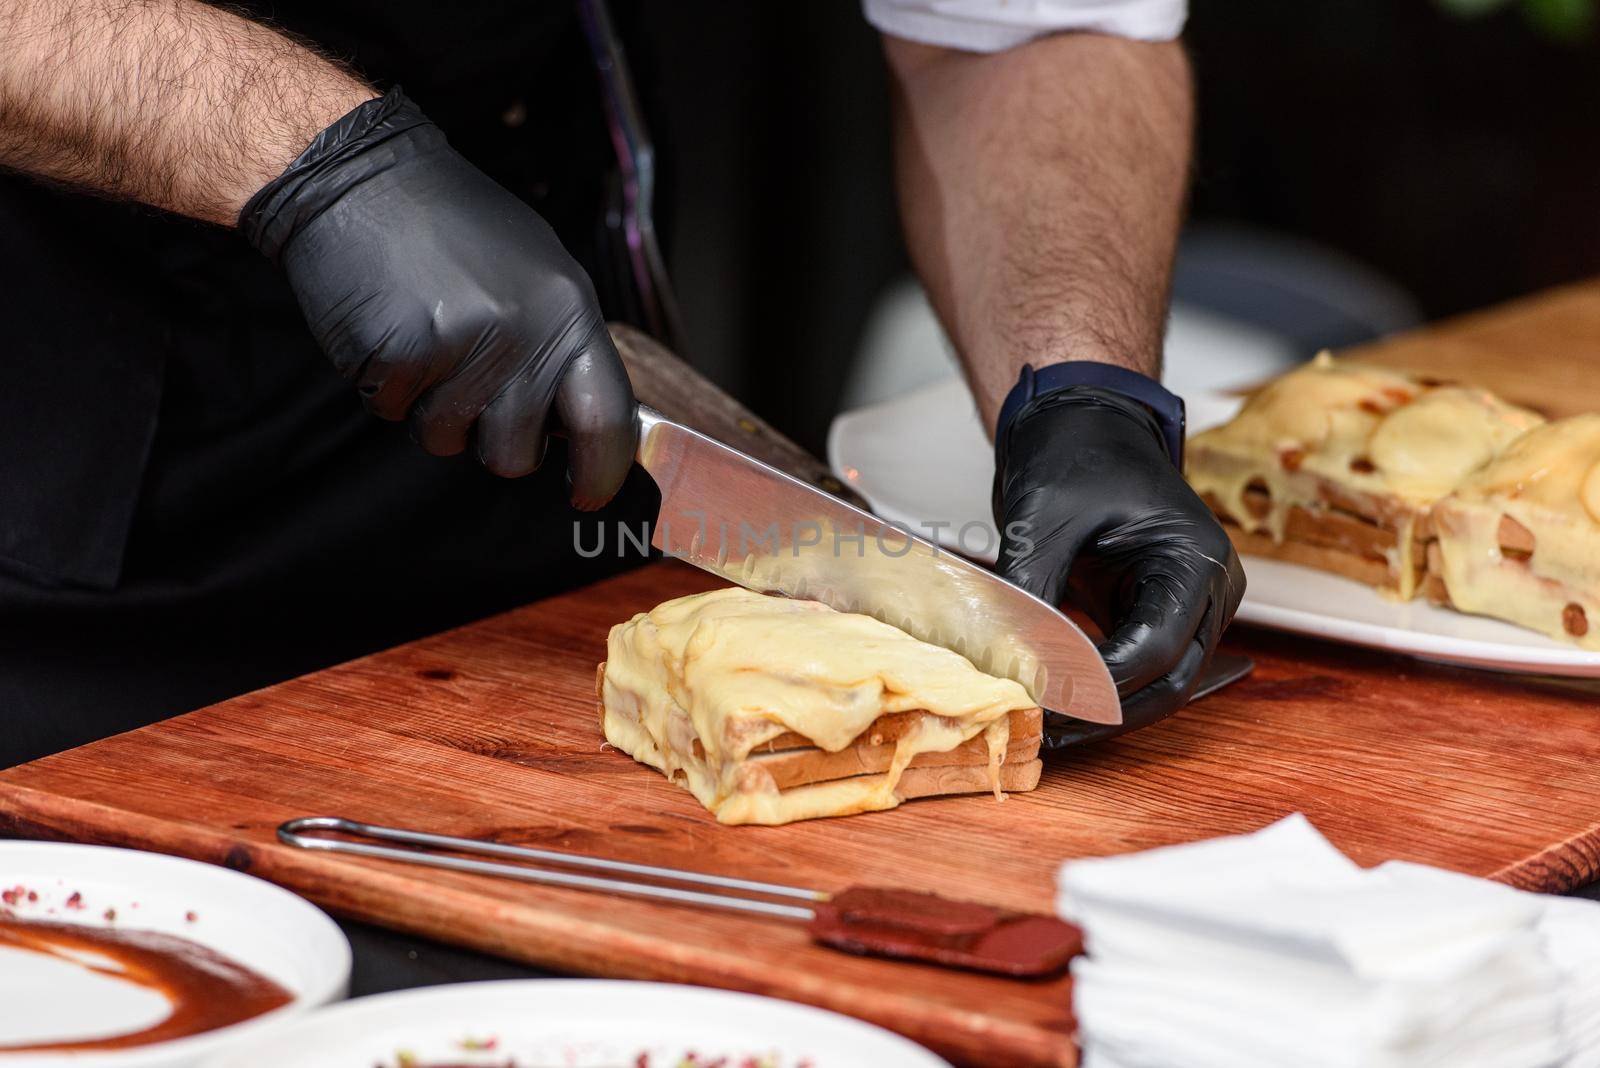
294,833
903,924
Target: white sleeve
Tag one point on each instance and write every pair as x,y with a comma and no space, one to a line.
995,25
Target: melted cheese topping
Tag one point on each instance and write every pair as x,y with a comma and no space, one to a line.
1549,482
1367,430
1422,450
694,685
1325,400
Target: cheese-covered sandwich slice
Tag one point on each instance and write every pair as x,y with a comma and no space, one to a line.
1342,461
1519,539
699,684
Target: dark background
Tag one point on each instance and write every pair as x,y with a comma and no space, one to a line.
1460,157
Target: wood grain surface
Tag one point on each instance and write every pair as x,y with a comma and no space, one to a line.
1542,352
489,731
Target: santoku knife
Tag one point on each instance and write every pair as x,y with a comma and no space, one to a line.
736,517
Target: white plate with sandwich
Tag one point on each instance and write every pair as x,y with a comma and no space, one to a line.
923,459
578,1023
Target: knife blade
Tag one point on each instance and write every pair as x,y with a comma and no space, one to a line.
738,518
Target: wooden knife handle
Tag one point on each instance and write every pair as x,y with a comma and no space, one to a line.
667,384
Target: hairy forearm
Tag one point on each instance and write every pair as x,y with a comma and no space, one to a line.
1041,191
173,103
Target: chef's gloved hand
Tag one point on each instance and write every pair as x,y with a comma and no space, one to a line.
1093,512
450,302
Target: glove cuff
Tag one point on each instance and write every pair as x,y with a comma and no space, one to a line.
282,207
1080,398
1167,408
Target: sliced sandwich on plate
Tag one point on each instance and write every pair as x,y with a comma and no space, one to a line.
1415,486
1337,465
1519,539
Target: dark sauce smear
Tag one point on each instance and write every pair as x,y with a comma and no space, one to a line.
206,989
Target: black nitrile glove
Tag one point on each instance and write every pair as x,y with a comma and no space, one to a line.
450,302
1092,510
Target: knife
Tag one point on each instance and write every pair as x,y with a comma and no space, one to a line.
752,524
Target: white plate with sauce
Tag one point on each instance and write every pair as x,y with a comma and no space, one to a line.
46,998
576,1023
923,460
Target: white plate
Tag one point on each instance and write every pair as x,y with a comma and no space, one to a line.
1323,605
575,1023
923,460
253,922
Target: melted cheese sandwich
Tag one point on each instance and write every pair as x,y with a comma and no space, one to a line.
1336,465
771,710
1519,539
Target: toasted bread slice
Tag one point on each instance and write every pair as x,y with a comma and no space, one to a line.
1332,537
1352,565
886,730
797,767
967,779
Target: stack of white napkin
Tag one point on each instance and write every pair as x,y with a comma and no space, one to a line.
1571,928
1274,949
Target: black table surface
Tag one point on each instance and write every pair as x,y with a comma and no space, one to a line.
387,960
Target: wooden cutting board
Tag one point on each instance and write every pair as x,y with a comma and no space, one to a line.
490,731
1542,351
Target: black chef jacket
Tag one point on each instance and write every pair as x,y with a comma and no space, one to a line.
192,503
